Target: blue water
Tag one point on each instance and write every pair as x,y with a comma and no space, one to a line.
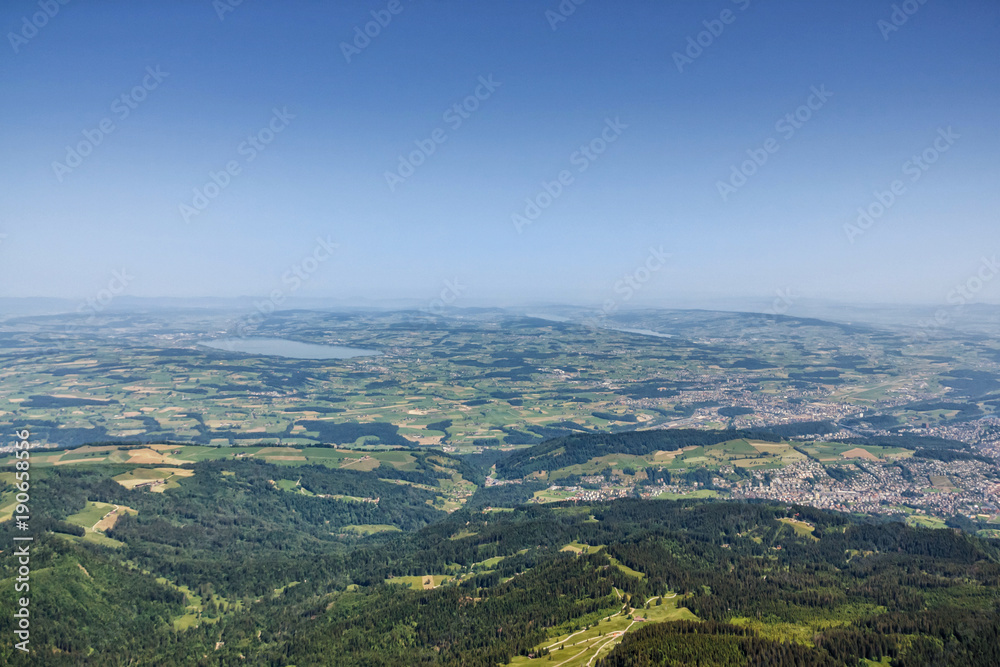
644,332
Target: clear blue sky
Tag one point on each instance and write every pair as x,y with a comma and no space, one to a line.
678,134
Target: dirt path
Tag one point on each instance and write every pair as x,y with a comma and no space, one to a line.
609,642
568,638
114,511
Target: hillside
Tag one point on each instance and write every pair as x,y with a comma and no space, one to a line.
481,588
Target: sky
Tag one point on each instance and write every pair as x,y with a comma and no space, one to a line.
493,153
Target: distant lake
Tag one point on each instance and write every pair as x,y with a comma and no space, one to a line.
279,347
644,332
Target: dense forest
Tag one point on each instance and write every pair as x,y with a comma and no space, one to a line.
278,592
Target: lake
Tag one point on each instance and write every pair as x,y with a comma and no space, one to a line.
279,347
643,332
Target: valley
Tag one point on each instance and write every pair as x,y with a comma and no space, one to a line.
738,488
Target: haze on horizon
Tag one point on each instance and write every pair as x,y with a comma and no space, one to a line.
526,151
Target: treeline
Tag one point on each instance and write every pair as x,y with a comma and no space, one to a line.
577,448
84,606
231,524
472,626
580,448
908,441
347,433
949,455
717,644
723,559
610,416
507,495
943,636
894,590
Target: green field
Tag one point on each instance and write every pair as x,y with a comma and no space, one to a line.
836,452
293,486
8,500
701,493
579,547
942,483
740,453
626,569
583,647
87,518
421,583
186,454
159,480
369,529
90,515
454,384
925,521
801,528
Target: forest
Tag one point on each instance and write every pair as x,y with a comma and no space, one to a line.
277,591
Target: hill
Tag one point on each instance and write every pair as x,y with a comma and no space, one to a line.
707,582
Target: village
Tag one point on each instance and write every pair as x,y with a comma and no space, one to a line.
902,487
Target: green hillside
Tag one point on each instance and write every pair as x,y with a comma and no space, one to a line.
713,583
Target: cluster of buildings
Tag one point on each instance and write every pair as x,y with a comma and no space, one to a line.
592,495
493,481
903,486
969,488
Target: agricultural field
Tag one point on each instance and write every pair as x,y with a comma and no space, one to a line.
89,517
166,457
580,548
96,518
698,494
479,380
801,528
553,495
942,483
426,582
157,480
836,452
740,453
925,521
